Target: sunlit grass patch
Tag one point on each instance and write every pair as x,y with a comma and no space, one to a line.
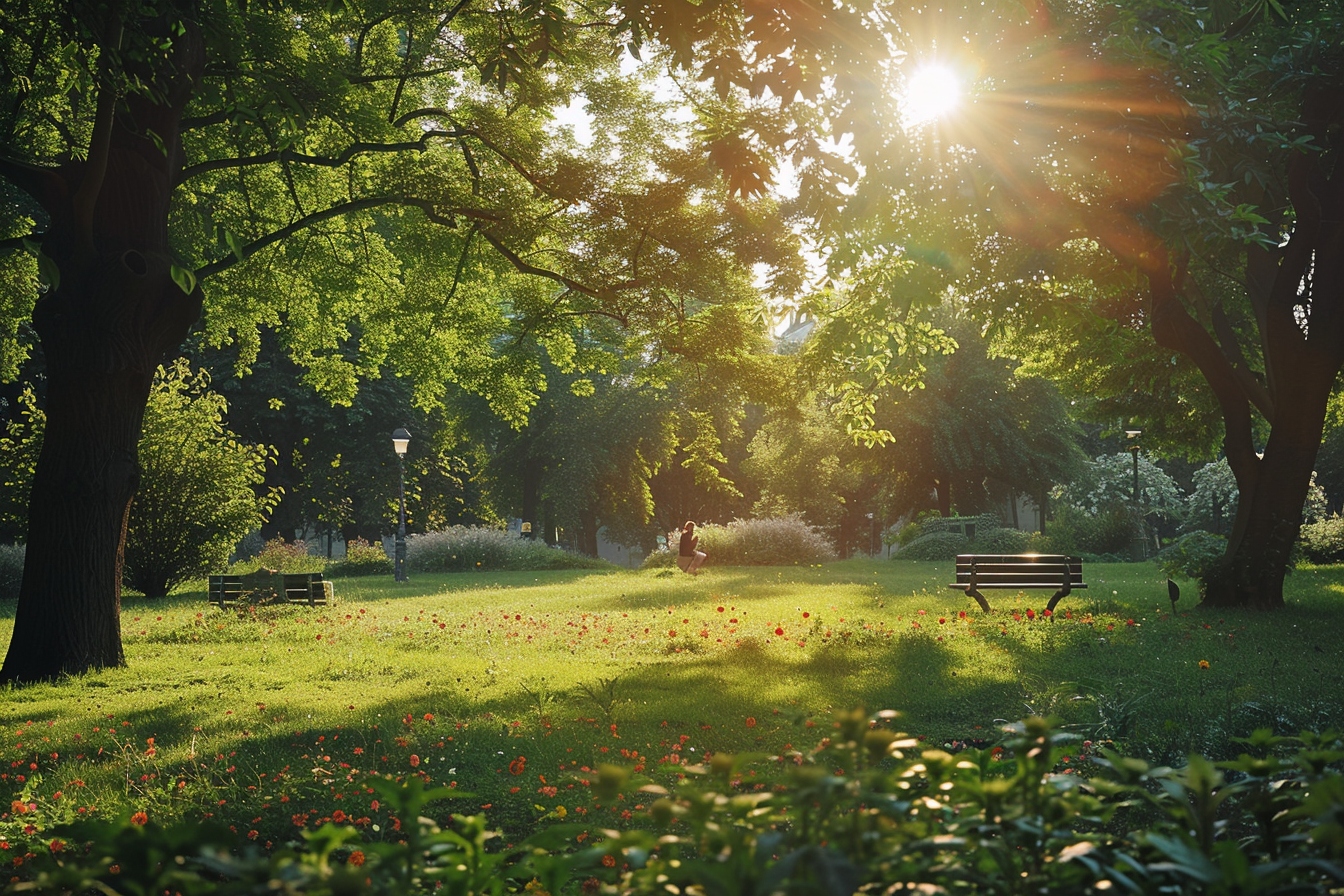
269,717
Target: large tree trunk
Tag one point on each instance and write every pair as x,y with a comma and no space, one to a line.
104,329
1272,491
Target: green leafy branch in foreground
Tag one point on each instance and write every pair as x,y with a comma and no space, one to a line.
863,812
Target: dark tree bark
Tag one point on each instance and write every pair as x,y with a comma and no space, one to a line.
1297,293
104,328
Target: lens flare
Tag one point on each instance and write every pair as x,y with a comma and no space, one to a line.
931,92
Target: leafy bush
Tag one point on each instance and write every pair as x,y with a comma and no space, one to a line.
935,546
11,570
1323,542
1080,533
865,808
282,556
463,548
197,495
1005,541
983,523
1192,555
778,541
362,559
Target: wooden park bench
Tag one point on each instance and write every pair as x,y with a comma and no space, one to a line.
282,588
977,572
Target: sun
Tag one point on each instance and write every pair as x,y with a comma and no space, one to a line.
932,91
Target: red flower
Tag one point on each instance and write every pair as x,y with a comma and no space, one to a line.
751,721
518,766
806,614
139,818
1129,622
609,861
356,858
1031,614
942,621
961,614
415,761
779,631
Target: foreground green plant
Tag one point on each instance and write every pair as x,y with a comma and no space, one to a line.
866,811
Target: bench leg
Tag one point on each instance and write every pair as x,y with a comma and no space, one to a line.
1061,593
979,598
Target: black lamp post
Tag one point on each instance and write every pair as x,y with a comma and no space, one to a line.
1136,545
400,440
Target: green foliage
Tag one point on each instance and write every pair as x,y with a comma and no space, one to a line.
778,541
20,444
282,556
1003,540
1104,535
1192,555
934,546
361,559
472,548
198,493
1323,541
11,570
867,806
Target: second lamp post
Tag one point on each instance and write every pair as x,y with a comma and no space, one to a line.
400,440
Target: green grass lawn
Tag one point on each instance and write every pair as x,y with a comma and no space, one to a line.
514,685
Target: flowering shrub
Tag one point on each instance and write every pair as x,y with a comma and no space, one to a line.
778,541
1042,812
1323,542
362,559
11,570
463,548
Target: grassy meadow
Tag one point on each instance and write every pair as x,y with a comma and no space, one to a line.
513,687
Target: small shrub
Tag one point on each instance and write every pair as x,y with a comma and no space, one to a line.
464,548
362,559
282,556
935,546
1192,555
778,541
1323,542
1002,541
11,570
909,532
1107,533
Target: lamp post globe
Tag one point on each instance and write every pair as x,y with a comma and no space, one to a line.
401,440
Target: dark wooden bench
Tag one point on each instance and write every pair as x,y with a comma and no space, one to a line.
977,572
288,588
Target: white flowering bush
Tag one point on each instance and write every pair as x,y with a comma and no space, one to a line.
463,548
1108,483
1213,503
777,541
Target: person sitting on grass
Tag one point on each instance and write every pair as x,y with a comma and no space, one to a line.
688,558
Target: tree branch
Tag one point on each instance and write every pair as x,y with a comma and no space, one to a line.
100,146
431,212
525,268
1174,328
31,179
286,155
